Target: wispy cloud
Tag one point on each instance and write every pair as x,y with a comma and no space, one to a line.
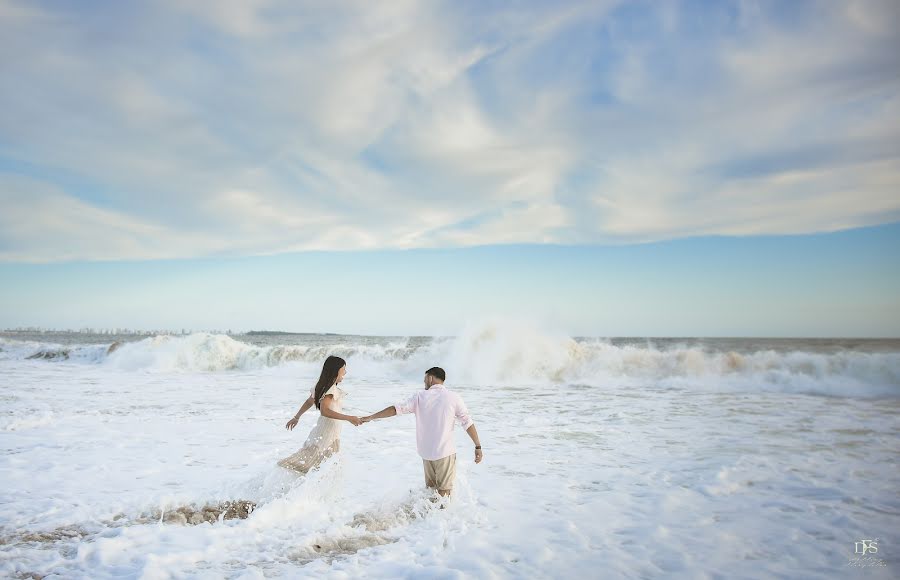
159,130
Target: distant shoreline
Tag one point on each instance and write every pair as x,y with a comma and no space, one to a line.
113,332
286,333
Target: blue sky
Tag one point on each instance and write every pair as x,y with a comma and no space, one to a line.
608,168
838,284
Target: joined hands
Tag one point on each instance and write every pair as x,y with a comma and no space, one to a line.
357,421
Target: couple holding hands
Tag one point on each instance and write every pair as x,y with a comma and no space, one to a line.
436,408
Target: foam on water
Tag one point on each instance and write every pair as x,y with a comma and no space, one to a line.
649,467
510,353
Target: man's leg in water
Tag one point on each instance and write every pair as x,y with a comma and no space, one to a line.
440,473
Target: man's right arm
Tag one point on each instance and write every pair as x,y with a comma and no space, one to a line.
384,413
408,406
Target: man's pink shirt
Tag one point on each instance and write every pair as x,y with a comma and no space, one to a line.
435,409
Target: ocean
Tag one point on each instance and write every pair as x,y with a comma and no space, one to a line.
603,457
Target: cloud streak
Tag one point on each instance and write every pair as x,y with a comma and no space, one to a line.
166,130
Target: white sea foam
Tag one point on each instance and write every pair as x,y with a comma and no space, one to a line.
510,353
26,421
635,482
87,353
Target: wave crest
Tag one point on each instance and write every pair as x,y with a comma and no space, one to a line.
510,354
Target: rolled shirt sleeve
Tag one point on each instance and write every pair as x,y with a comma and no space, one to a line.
407,406
462,414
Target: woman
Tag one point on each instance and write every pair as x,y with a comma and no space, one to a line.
324,439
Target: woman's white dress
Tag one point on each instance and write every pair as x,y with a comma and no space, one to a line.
324,439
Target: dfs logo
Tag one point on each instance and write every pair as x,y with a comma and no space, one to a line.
864,547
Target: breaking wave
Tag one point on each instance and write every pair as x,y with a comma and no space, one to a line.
506,354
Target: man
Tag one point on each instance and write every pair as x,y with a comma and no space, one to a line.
435,409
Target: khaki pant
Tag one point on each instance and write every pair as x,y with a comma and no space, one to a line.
439,473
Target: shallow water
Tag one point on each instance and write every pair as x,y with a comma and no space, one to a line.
632,472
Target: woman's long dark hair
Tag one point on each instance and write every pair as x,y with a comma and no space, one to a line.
330,370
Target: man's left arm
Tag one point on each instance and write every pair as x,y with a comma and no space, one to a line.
473,433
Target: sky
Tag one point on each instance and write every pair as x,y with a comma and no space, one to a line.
606,168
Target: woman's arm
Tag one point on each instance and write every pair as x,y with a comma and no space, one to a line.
326,410
304,408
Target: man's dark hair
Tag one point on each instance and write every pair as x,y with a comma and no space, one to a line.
437,372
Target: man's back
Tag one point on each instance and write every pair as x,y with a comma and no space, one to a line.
436,408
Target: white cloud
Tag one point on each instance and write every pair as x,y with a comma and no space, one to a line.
510,226
189,129
40,223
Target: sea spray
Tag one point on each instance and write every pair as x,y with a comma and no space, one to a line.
506,353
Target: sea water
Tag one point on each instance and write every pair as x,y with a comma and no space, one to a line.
603,458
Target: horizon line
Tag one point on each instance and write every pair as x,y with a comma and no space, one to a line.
228,332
